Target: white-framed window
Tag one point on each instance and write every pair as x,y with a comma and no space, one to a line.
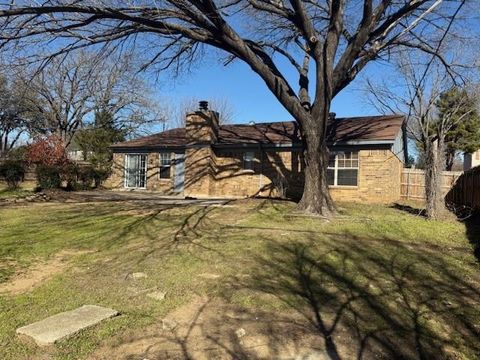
248,160
135,171
343,168
165,165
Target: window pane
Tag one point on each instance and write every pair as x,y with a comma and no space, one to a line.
165,172
248,158
164,159
135,170
330,177
347,177
248,165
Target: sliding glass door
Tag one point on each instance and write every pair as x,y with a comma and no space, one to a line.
135,170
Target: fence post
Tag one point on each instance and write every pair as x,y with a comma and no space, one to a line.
408,185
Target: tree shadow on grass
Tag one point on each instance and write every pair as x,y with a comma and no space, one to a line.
413,210
390,301
472,225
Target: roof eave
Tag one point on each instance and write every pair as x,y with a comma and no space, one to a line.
146,148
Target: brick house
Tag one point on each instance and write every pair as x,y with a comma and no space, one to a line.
206,159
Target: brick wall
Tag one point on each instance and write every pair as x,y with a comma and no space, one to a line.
379,177
279,173
154,183
218,173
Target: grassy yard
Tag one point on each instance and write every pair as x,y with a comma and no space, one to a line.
375,282
25,189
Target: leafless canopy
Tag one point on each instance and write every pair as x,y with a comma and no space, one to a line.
341,37
64,95
326,42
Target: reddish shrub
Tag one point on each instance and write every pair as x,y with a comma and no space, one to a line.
48,151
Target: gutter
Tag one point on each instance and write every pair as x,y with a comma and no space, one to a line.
252,145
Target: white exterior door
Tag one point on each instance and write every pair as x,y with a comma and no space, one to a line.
135,171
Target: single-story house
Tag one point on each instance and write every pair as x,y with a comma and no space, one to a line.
205,159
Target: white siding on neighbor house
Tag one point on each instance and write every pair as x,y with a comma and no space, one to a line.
397,147
471,160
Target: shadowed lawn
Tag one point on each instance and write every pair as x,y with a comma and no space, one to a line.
25,189
375,282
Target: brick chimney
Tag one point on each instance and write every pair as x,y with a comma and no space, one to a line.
202,125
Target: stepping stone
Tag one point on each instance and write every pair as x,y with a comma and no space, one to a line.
59,326
168,324
139,275
157,295
209,276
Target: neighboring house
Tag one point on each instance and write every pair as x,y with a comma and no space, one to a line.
367,155
471,160
74,152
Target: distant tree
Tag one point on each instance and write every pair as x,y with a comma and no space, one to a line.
15,118
179,112
326,43
95,140
120,92
464,135
66,92
423,80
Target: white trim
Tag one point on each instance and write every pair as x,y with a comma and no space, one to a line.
160,165
336,168
249,159
125,171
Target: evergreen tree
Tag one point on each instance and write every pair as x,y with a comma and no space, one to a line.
464,136
95,140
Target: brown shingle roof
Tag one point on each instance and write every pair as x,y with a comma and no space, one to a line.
369,128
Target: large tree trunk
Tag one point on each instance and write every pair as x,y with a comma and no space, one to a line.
434,160
316,197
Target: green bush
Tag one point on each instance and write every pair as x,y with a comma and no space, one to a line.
49,177
99,176
90,176
69,176
13,172
72,176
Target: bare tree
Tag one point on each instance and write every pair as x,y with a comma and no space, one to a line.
61,95
328,43
119,89
15,117
416,90
67,91
177,113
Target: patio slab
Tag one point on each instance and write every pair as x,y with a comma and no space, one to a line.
62,325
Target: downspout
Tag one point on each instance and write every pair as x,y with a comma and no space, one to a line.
405,141
260,180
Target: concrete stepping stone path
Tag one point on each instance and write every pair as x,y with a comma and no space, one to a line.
62,325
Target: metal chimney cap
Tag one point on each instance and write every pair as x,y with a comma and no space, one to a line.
203,105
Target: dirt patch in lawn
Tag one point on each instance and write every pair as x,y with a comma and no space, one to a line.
38,273
212,329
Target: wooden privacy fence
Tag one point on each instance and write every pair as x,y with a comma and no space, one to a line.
466,191
413,183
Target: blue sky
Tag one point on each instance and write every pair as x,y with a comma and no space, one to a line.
248,94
